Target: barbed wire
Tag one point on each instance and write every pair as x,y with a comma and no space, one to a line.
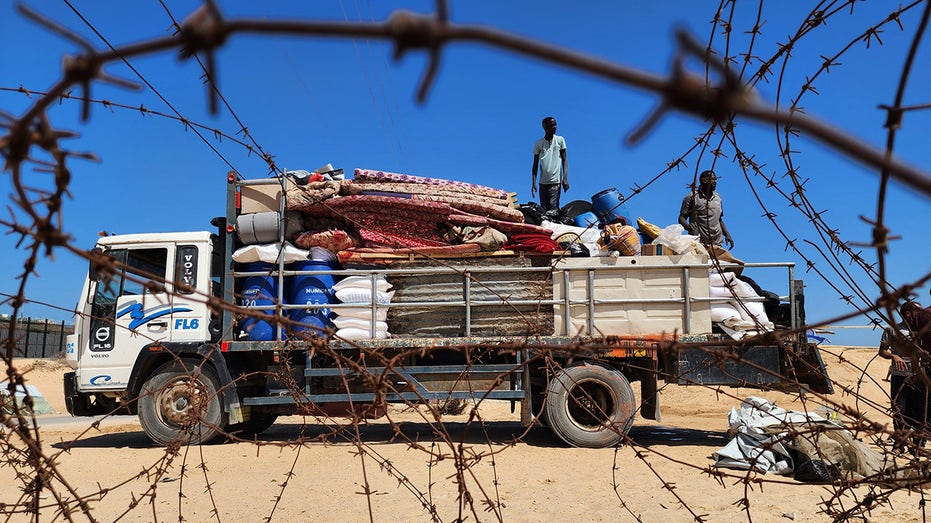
206,30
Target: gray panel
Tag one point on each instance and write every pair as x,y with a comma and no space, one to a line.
758,366
492,320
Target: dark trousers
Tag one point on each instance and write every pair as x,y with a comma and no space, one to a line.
549,196
898,401
911,402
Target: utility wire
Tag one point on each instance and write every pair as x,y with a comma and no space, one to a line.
216,89
150,86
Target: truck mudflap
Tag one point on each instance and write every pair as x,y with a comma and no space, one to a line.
789,368
84,404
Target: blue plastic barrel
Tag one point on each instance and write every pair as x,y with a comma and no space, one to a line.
259,291
311,289
586,219
608,207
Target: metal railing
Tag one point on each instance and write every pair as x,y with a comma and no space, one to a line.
561,275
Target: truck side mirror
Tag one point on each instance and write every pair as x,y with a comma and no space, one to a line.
97,251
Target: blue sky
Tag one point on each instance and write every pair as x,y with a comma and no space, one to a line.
312,101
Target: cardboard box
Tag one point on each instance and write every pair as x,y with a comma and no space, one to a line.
262,198
651,249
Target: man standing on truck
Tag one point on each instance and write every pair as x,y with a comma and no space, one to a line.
549,155
702,212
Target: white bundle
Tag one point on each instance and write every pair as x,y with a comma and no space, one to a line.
357,295
363,282
357,328
362,313
269,253
355,323
744,315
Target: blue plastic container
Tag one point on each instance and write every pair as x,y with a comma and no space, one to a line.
587,219
311,289
259,291
608,207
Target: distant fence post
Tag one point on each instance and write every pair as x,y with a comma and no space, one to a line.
61,337
44,337
26,338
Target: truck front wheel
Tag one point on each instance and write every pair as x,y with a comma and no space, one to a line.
590,406
180,402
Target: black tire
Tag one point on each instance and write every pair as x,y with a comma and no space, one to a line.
258,422
181,403
590,406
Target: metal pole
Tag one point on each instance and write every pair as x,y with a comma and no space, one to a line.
467,286
591,302
687,298
44,337
793,312
26,339
567,314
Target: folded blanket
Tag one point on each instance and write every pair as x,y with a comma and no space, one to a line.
370,175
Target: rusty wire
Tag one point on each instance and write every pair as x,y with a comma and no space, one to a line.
206,31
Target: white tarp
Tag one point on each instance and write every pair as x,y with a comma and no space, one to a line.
755,444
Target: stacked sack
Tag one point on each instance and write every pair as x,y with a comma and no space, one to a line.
747,315
354,323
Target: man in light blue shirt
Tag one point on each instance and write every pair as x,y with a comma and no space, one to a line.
549,156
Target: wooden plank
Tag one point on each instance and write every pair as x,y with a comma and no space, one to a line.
351,256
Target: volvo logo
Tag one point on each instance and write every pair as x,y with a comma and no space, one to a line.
102,334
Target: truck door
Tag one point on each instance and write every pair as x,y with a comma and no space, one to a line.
129,311
189,317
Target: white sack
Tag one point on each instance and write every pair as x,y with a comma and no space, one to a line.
364,313
268,253
756,312
724,313
356,295
353,333
363,282
359,323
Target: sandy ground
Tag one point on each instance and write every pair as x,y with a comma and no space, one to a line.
663,477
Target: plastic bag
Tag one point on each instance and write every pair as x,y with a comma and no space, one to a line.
586,236
673,238
817,471
533,212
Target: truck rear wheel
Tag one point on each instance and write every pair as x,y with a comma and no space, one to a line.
181,403
590,406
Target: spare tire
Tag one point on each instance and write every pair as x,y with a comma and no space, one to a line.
590,405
